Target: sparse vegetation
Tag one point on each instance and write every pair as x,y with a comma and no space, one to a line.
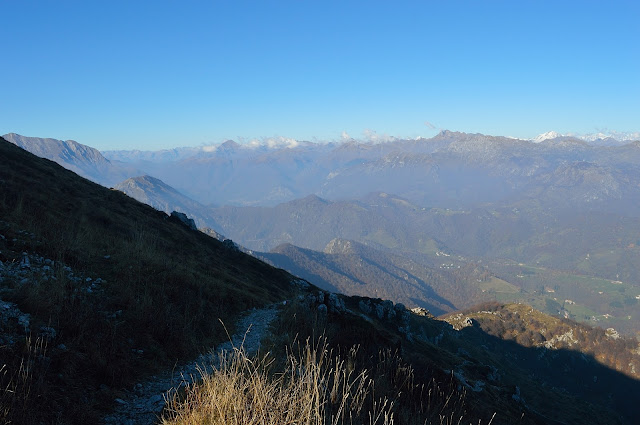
315,387
531,328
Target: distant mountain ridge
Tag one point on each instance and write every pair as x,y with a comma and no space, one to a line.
602,138
81,159
163,197
352,268
451,169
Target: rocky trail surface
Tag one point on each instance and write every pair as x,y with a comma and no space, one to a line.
143,404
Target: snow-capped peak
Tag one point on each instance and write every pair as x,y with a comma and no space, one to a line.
606,138
546,136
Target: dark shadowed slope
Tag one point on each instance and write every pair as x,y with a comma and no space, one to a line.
114,287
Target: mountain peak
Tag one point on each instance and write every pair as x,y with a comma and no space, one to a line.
340,246
229,145
145,180
81,159
546,136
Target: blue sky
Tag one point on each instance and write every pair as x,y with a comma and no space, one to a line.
151,75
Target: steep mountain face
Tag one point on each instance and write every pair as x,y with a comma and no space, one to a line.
155,192
81,159
351,268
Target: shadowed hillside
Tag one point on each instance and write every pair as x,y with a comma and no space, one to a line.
118,287
355,269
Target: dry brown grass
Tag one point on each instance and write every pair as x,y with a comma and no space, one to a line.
20,380
315,388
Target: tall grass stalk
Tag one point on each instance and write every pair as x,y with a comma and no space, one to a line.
17,381
315,388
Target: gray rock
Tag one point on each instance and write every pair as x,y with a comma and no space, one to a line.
336,304
157,399
25,263
400,307
184,219
391,313
311,299
365,306
24,320
229,244
322,309
300,282
322,296
47,333
421,312
380,311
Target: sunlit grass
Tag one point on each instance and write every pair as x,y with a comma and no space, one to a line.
315,388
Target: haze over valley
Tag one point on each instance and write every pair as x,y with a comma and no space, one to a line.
462,218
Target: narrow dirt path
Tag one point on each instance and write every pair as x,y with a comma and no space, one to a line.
143,404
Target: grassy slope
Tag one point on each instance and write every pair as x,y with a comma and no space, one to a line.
166,285
541,354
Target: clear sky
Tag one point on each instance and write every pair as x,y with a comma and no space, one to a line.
158,74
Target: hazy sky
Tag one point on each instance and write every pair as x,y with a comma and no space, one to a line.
157,74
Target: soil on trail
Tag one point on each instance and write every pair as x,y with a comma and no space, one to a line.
143,403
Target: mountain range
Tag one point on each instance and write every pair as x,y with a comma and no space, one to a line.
99,291
560,214
81,159
454,170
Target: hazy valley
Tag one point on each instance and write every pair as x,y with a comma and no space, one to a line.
439,224
563,209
